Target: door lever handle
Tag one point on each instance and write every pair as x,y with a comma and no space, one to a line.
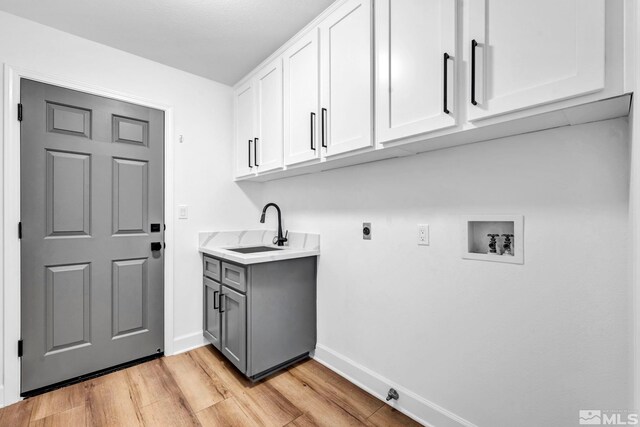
156,246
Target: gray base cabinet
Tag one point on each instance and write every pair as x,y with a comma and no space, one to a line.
262,317
211,312
234,327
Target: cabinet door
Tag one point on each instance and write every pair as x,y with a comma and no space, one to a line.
269,141
532,52
211,326
346,88
301,100
416,45
234,327
245,129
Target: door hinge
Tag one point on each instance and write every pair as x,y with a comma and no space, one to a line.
19,112
20,348
20,230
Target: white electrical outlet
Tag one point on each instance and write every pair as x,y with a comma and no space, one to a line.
423,234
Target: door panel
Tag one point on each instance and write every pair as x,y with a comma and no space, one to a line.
245,119
301,86
130,196
68,120
129,290
130,131
91,182
564,60
413,36
234,327
212,312
68,193
269,116
346,42
68,306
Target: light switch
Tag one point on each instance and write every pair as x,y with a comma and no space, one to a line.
183,212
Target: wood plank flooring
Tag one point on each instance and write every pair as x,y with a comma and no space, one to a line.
201,388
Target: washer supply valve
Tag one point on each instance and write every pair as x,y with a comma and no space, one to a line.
393,394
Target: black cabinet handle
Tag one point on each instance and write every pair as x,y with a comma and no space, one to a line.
220,303
215,296
446,84
474,44
255,152
313,128
249,153
324,128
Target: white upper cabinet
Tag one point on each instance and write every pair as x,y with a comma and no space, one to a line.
244,100
443,72
268,139
346,43
524,53
416,61
301,83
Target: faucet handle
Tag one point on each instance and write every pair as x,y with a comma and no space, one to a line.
277,241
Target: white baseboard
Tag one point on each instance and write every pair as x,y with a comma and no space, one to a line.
410,404
1,396
188,342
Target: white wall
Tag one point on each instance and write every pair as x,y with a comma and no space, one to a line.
202,111
632,75
496,344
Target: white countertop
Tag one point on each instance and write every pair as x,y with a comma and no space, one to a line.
218,243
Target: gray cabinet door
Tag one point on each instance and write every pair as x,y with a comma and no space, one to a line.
211,312
92,182
234,327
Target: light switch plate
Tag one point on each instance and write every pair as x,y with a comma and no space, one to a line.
423,234
183,212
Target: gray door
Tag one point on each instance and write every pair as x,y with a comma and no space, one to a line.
212,311
91,187
234,327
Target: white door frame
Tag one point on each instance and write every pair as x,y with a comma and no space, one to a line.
10,249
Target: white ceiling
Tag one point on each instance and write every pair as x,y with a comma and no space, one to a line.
218,39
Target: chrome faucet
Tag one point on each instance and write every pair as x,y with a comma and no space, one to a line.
280,240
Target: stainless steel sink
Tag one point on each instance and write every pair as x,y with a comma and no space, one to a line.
254,249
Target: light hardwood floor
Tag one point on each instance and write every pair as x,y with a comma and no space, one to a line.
202,388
